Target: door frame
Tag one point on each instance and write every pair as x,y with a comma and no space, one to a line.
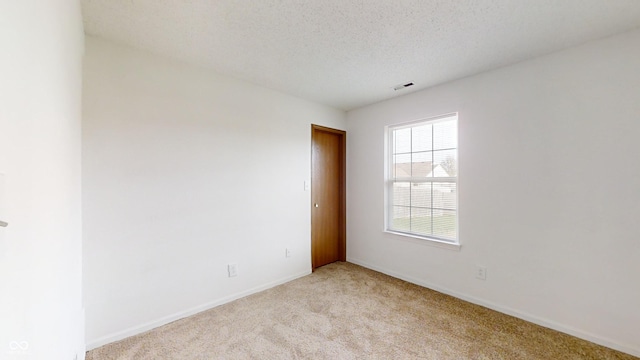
342,212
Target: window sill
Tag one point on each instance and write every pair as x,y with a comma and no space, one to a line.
426,241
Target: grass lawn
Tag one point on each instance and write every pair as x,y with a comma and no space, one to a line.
442,226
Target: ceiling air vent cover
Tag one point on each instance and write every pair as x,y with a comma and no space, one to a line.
400,87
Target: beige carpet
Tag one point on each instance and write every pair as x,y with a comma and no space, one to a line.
344,311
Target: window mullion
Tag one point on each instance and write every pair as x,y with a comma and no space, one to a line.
411,160
426,179
432,167
411,184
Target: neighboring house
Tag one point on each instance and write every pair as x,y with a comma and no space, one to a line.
438,197
419,169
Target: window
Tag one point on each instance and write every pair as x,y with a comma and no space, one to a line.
422,180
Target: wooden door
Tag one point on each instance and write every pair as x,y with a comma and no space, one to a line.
328,196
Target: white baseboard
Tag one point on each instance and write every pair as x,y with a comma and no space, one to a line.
95,343
506,310
82,348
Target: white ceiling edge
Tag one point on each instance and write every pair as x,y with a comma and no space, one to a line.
348,54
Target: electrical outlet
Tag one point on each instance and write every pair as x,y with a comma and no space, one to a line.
481,273
287,252
233,270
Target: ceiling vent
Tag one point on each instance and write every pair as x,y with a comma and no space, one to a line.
400,87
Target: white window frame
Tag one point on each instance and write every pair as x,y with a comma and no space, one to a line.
389,181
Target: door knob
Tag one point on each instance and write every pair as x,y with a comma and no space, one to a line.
316,205
3,224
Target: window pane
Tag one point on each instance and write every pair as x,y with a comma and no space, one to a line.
421,221
445,196
402,165
400,219
444,224
421,138
422,192
421,166
445,135
401,194
445,163
402,141
421,195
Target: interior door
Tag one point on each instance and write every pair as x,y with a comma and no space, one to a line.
328,196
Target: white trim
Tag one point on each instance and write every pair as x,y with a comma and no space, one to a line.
135,330
424,180
422,240
390,180
432,119
82,346
610,343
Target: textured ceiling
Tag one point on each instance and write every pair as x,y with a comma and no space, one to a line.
348,53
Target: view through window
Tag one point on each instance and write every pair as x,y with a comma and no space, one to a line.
422,178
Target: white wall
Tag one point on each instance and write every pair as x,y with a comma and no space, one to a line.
40,252
185,171
549,191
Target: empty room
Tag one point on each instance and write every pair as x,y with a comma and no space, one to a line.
217,179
